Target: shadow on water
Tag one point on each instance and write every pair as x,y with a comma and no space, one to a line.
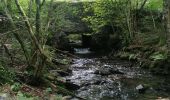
104,79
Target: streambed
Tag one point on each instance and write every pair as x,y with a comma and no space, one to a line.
104,79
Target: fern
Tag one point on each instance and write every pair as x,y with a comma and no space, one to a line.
158,56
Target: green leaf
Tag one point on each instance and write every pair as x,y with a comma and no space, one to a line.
48,90
158,56
21,96
15,87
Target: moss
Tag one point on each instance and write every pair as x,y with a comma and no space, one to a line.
74,37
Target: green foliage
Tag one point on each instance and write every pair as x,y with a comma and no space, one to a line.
74,37
155,5
22,96
6,75
60,13
16,87
102,11
115,14
48,90
121,14
133,56
159,56
58,97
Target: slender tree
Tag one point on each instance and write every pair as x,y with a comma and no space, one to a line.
40,57
167,22
30,7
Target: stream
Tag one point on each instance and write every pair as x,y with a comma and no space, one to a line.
103,79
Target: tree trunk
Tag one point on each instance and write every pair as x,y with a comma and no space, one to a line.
167,23
143,4
30,30
38,20
30,7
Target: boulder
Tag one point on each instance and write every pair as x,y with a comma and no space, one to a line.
140,88
103,72
67,98
71,86
107,70
63,73
116,71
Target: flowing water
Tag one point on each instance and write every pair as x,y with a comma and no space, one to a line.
104,79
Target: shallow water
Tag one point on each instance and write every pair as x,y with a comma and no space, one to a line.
116,86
